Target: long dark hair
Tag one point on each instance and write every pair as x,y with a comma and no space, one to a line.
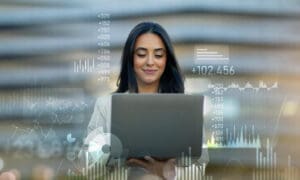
171,80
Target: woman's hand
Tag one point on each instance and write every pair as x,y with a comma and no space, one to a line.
163,169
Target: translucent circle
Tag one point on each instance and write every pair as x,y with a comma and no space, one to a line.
96,143
99,146
106,148
71,156
116,148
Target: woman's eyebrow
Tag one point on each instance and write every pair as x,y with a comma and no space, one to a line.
140,49
145,49
159,49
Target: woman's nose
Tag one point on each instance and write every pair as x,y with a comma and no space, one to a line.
150,60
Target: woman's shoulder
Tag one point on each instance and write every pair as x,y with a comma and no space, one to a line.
106,98
103,100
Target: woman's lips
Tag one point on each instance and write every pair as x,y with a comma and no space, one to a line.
149,71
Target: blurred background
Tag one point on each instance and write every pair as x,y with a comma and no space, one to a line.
58,56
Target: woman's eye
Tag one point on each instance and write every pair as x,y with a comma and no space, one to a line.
158,56
141,55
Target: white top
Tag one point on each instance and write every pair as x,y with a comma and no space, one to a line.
101,117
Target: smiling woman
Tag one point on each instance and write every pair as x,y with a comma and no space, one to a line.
148,66
149,63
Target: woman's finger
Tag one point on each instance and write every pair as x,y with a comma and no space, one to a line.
138,163
169,171
172,161
150,159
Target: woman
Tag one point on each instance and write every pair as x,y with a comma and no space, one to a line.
148,66
148,62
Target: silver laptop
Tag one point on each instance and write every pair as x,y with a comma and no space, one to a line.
162,126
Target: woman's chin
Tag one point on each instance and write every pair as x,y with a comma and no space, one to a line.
149,81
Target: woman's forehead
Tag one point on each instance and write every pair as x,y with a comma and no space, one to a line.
149,41
141,49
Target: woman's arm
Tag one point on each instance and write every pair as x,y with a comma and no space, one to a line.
96,134
101,116
162,169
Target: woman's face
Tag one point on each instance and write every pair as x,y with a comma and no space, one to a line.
149,59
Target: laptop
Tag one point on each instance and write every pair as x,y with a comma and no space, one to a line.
162,126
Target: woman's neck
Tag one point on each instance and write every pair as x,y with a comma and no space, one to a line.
144,88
